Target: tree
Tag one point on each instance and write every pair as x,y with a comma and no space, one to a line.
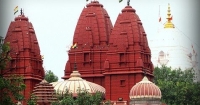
177,86
12,85
50,76
64,99
83,98
4,54
32,100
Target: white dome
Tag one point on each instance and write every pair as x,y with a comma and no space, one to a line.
74,83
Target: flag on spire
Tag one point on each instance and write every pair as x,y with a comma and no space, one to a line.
160,19
120,1
159,14
74,46
171,17
15,10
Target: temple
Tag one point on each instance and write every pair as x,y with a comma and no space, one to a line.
115,61
174,48
25,53
113,57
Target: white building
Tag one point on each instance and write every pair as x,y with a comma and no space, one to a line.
172,48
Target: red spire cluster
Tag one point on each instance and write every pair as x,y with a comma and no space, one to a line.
114,58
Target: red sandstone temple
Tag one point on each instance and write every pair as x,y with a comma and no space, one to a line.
113,57
25,53
116,58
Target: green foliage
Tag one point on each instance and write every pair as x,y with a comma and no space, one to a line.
12,85
177,86
83,98
4,54
10,88
32,100
50,76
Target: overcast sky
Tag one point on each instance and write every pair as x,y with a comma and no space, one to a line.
54,22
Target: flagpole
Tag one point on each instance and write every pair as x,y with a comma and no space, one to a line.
23,11
74,47
159,19
75,55
75,67
159,11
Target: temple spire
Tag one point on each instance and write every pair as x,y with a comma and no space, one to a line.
169,24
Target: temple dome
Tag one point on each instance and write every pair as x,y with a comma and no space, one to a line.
74,83
145,89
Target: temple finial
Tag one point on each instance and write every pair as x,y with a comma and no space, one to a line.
21,12
128,2
169,24
168,13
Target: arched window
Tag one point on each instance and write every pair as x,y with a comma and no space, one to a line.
162,60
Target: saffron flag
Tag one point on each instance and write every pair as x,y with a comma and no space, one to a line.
74,46
171,18
160,19
120,1
15,10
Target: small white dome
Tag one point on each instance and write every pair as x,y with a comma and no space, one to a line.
74,83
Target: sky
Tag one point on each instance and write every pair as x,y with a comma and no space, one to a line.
54,22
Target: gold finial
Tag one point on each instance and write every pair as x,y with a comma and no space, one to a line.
169,24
